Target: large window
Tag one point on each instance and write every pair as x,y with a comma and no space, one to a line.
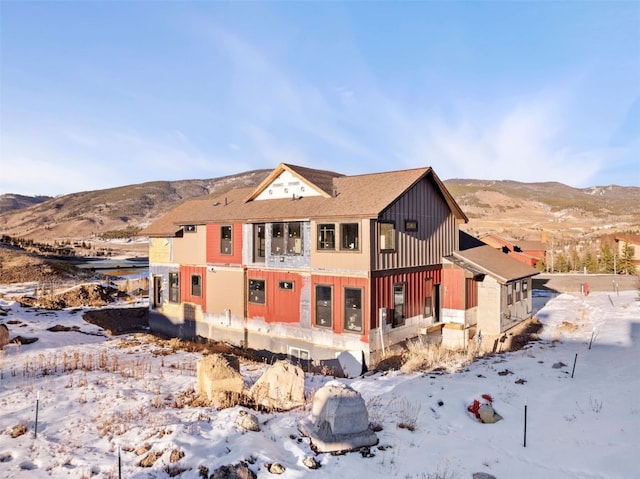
294,238
398,304
387,236
349,236
226,240
174,287
324,306
353,309
326,236
518,294
287,238
509,294
257,291
277,238
196,285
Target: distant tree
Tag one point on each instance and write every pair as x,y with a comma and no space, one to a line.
625,262
575,263
561,264
605,264
590,262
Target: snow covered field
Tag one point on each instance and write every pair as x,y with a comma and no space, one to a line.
102,398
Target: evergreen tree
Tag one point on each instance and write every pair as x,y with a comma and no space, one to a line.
591,263
625,262
606,259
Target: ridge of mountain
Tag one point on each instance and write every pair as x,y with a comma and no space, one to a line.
510,208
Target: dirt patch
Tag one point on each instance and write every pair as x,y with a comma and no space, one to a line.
94,295
19,266
119,320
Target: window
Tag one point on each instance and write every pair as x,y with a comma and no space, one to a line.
518,296
258,242
277,238
428,298
298,353
398,304
286,285
349,236
525,285
324,306
225,240
257,291
353,309
410,225
509,294
174,287
196,285
286,238
294,239
190,228
326,236
387,236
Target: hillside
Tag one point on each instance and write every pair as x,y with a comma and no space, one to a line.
513,209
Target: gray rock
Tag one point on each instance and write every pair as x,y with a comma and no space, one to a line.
234,471
311,462
280,388
248,421
339,420
219,381
488,415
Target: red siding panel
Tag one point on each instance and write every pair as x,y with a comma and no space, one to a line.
416,283
185,285
453,294
339,283
213,245
281,306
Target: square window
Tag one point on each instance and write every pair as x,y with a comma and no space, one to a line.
190,228
349,238
257,291
327,236
286,285
410,225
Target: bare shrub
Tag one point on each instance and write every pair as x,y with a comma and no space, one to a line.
422,356
408,414
18,430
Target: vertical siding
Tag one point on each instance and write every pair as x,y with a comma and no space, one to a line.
213,244
185,285
415,292
453,294
339,283
437,233
281,306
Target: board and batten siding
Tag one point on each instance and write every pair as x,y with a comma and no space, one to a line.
436,235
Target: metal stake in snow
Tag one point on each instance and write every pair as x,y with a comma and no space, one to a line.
119,464
593,335
37,407
525,425
574,365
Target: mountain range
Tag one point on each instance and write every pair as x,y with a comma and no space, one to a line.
508,208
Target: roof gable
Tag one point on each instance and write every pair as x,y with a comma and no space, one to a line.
290,181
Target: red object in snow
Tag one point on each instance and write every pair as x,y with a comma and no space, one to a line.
474,408
487,397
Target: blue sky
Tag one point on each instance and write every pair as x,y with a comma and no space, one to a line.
97,94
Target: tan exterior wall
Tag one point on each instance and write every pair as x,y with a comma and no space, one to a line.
191,249
489,301
160,250
336,261
225,292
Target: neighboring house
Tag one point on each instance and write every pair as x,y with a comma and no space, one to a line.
486,293
528,252
629,240
309,263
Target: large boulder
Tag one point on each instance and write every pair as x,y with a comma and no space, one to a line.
220,381
280,388
4,335
339,420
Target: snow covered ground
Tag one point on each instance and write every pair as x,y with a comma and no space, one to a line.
101,398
